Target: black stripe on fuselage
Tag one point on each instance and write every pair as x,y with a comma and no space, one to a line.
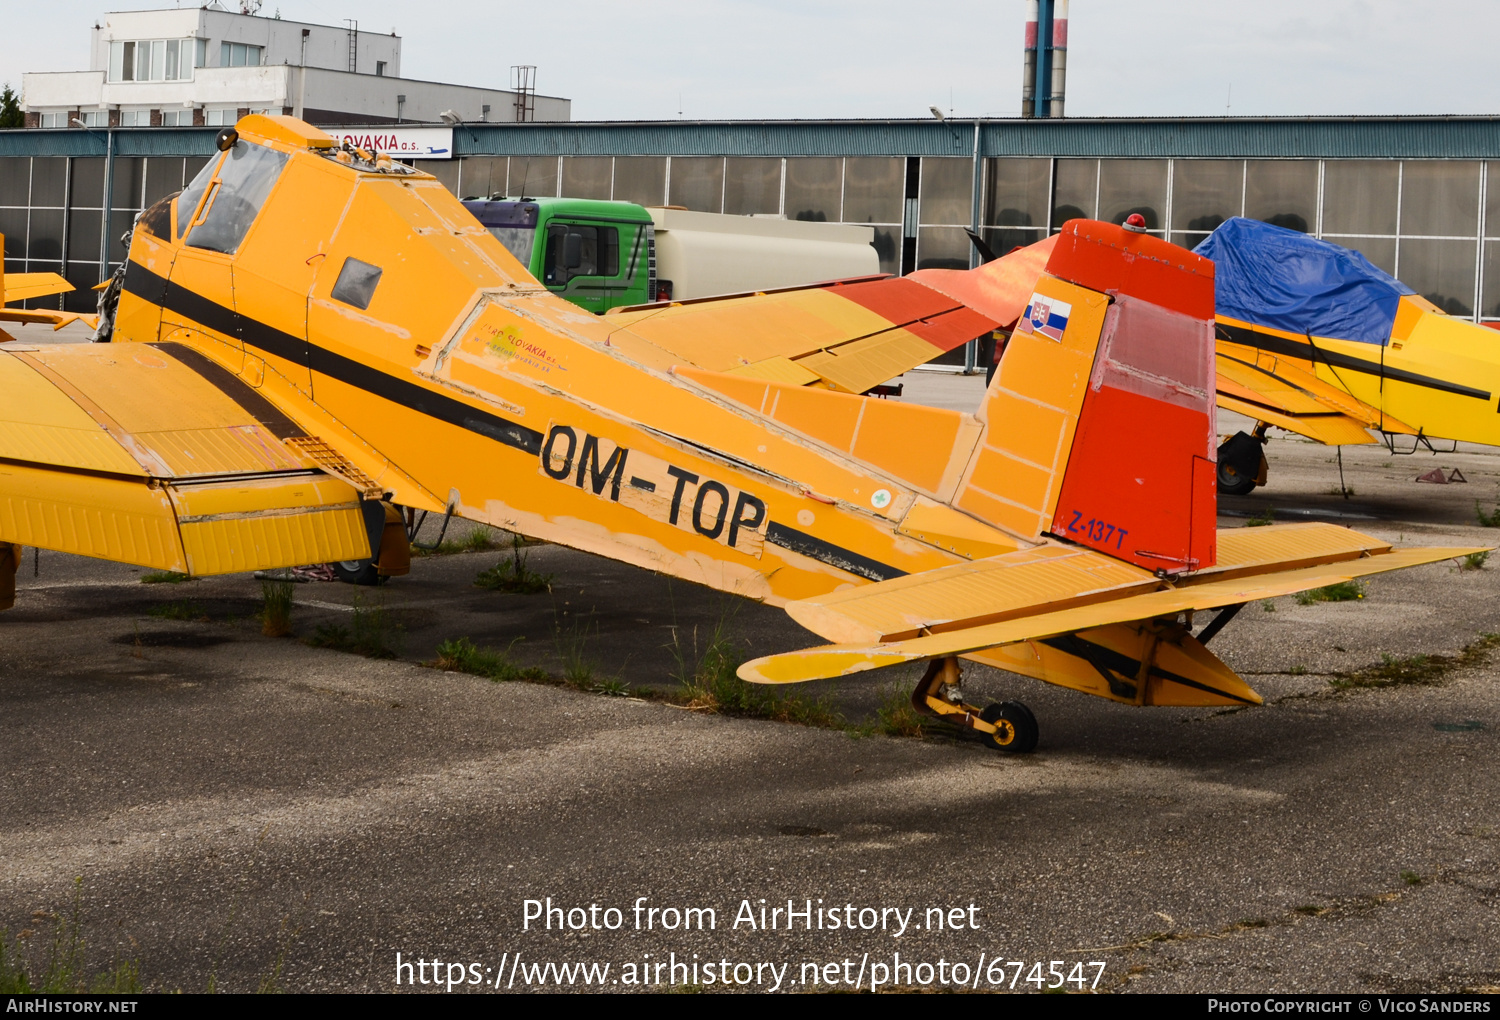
826,552
1309,352
235,388
146,285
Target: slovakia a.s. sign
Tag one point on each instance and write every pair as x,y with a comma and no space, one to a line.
402,142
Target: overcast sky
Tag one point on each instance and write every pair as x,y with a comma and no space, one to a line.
891,58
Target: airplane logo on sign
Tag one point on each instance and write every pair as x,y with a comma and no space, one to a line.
1046,316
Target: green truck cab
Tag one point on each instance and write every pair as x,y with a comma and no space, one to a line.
598,255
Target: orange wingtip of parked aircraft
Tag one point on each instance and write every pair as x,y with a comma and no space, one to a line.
26,286
310,335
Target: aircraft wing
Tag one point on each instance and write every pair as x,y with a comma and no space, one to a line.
1288,393
847,335
21,286
151,454
1044,593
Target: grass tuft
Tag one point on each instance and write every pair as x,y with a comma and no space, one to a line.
171,577
712,685
897,716
1419,670
479,539
1412,878
1474,561
63,972
182,609
1344,591
1261,520
461,655
1268,606
371,633
1489,520
276,608
513,575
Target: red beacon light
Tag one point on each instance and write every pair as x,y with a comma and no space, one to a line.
1135,223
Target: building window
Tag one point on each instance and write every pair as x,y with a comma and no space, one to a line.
135,118
150,60
177,118
218,118
50,120
239,55
94,118
380,68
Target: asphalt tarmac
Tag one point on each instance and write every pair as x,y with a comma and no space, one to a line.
232,811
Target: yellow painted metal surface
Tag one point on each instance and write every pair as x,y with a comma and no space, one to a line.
1105,662
21,286
1030,412
940,525
969,595
109,518
842,659
271,522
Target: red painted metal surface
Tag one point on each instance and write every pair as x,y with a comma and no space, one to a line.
1089,253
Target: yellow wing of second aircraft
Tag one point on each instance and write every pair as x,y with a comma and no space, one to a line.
24,286
156,456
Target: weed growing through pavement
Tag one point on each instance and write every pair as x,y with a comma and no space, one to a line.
181,609
1489,520
1411,878
479,539
1261,520
371,633
1344,591
1395,671
461,655
1474,561
898,717
276,608
573,647
513,575
173,577
712,684
63,972
1268,606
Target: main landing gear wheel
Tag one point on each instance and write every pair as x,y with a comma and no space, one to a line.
1015,727
1232,483
361,572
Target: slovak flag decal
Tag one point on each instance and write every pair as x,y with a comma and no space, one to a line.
1047,316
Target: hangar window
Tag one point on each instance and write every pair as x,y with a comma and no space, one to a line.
235,193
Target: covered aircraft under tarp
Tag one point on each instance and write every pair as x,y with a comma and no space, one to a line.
1315,339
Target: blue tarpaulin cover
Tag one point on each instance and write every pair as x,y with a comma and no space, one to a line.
1287,280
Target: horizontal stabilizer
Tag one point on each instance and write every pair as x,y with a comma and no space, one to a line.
842,659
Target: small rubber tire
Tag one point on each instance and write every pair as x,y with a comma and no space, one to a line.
1232,483
1023,729
361,572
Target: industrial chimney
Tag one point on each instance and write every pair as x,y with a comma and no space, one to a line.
1045,65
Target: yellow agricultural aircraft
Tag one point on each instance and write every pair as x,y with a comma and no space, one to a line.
1314,339
311,335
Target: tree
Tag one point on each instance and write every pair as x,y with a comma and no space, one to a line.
10,109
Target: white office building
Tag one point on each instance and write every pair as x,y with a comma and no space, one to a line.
210,65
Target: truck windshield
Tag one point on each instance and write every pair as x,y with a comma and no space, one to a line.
518,241
513,224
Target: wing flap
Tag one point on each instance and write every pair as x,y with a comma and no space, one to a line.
843,659
22,286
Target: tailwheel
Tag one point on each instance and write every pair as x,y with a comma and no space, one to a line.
1015,727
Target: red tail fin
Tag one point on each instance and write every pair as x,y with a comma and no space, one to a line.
1140,479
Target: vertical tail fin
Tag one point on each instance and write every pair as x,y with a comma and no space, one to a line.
1099,422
